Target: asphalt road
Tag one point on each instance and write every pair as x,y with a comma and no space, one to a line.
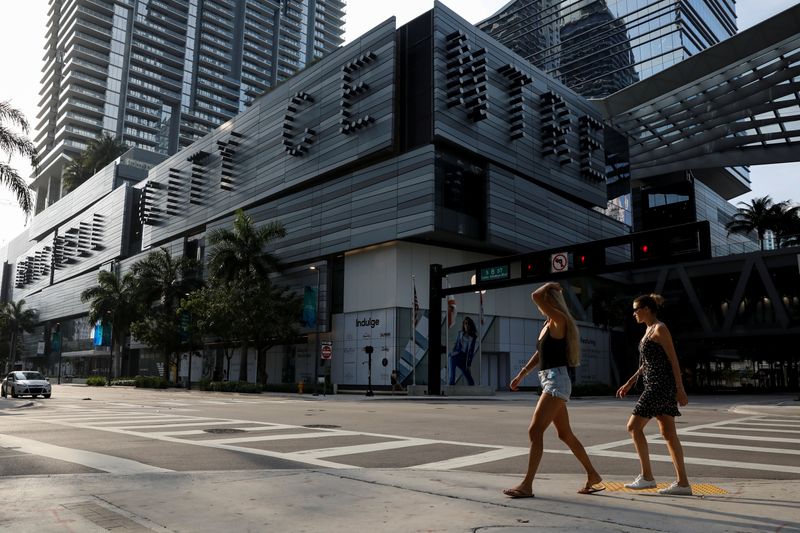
124,430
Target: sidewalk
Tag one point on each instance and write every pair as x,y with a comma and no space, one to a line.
377,500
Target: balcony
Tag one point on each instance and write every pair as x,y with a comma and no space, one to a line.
71,89
169,10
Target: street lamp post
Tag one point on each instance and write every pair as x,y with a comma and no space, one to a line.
316,337
55,344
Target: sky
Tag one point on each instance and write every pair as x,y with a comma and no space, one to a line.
22,30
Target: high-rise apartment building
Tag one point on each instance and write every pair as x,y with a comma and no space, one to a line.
597,47
159,74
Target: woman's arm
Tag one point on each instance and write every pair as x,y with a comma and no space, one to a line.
662,336
623,390
526,369
556,317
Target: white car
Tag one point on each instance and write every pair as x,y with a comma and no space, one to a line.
25,383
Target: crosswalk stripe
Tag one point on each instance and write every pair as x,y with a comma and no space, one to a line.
740,437
472,460
765,424
702,461
285,436
204,432
716,446
98,461
364,448
762,430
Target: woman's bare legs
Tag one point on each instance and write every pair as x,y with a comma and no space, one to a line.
546,411
636,426
564,430
667,425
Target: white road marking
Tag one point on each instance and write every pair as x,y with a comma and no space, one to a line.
762,430
98,461
477,459
738,437
364,448
167,423
716,446
211,422
204,432
285,436
698,461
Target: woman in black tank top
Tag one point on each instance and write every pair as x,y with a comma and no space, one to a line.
556,351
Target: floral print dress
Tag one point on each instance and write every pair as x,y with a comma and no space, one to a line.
659,396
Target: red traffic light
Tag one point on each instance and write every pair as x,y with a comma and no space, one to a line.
645,248
588,258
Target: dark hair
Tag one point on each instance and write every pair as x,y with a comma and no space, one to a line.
652,301
471,329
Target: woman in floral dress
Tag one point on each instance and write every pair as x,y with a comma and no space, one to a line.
663,392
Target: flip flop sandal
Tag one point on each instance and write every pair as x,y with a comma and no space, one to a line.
597,487
517,494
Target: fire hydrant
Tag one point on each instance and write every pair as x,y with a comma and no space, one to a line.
300,387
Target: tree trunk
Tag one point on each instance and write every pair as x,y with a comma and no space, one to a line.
218,362
261,366
166,365
243,363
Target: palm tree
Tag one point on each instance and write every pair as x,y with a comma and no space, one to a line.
115,301
239,255
13,143
162,282
18,320
759,216
787,224
240,252
99,153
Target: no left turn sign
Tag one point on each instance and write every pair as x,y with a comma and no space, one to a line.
559,262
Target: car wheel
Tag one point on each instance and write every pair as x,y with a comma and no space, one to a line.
46,395
14,393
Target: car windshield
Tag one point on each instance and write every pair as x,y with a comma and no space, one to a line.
29,375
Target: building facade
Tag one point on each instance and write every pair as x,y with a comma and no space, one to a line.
159,74
424,144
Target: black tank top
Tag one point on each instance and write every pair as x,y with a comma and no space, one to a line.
552,351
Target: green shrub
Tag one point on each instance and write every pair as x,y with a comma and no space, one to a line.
150,382
283,387
230,386
96,381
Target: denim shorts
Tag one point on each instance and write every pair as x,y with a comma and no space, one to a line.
556,382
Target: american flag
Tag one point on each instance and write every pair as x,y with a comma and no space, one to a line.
416,301
451,311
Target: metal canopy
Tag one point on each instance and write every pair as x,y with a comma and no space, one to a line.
736,103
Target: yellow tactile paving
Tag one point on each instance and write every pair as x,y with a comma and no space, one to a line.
698,489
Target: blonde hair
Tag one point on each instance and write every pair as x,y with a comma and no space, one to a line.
572,335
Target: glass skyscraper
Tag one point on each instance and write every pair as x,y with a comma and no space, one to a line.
597,47
160,74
